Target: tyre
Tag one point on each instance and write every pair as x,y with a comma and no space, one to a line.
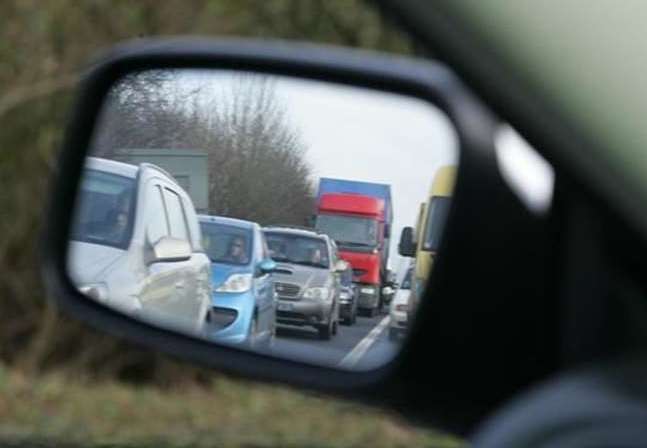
325,331
393,334
269,342
253,334
335,327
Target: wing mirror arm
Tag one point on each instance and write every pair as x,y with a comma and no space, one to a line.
168,249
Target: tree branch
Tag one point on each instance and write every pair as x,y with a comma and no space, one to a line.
24,94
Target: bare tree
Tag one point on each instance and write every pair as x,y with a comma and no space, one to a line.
141,112
257,165
257,158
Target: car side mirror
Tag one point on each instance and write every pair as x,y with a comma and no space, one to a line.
168,249
266,266
397,88
407,247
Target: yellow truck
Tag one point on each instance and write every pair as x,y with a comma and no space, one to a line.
422,242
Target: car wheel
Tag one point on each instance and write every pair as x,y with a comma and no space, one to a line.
270,341
325,331
393,334
335,327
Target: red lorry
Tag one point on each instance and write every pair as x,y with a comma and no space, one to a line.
357,215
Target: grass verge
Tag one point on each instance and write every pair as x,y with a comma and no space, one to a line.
54,410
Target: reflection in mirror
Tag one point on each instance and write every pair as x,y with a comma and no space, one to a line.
264,211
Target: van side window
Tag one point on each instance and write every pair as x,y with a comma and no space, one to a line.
157,222
176,217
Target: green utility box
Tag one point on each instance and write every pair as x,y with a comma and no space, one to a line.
190,168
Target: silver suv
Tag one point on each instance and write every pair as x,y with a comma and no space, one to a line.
305,278
136,245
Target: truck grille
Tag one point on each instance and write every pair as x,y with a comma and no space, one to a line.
357,273
287,290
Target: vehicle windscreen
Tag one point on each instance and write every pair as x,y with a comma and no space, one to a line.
349,230
226,244
290,248
406,282
105,213
438,211
346,277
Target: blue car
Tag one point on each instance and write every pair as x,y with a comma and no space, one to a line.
243,305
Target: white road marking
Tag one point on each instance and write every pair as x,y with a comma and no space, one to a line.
362,346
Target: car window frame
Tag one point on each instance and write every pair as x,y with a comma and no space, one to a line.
155,184
167,188
195,233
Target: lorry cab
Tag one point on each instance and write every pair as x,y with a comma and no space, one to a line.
358,216
356,223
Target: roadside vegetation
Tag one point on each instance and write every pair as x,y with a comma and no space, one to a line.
53,411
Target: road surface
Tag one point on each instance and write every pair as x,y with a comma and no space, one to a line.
362,346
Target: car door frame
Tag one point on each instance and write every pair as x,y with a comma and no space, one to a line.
156,273
264,286
185,270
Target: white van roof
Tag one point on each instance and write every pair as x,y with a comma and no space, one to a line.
112,166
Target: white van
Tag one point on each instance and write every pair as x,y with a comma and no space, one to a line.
399,307
136,245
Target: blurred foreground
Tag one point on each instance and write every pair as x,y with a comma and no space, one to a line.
57,410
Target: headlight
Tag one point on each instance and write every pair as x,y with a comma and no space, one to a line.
96,291
236,283
317,294
365,290
344,295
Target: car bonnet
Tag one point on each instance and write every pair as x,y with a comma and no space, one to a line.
304,276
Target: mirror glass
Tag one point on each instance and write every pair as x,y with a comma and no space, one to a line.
295,217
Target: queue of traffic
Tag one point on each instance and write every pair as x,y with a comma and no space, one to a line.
147,253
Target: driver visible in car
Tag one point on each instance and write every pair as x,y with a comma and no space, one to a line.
236,251
316,257
117,219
